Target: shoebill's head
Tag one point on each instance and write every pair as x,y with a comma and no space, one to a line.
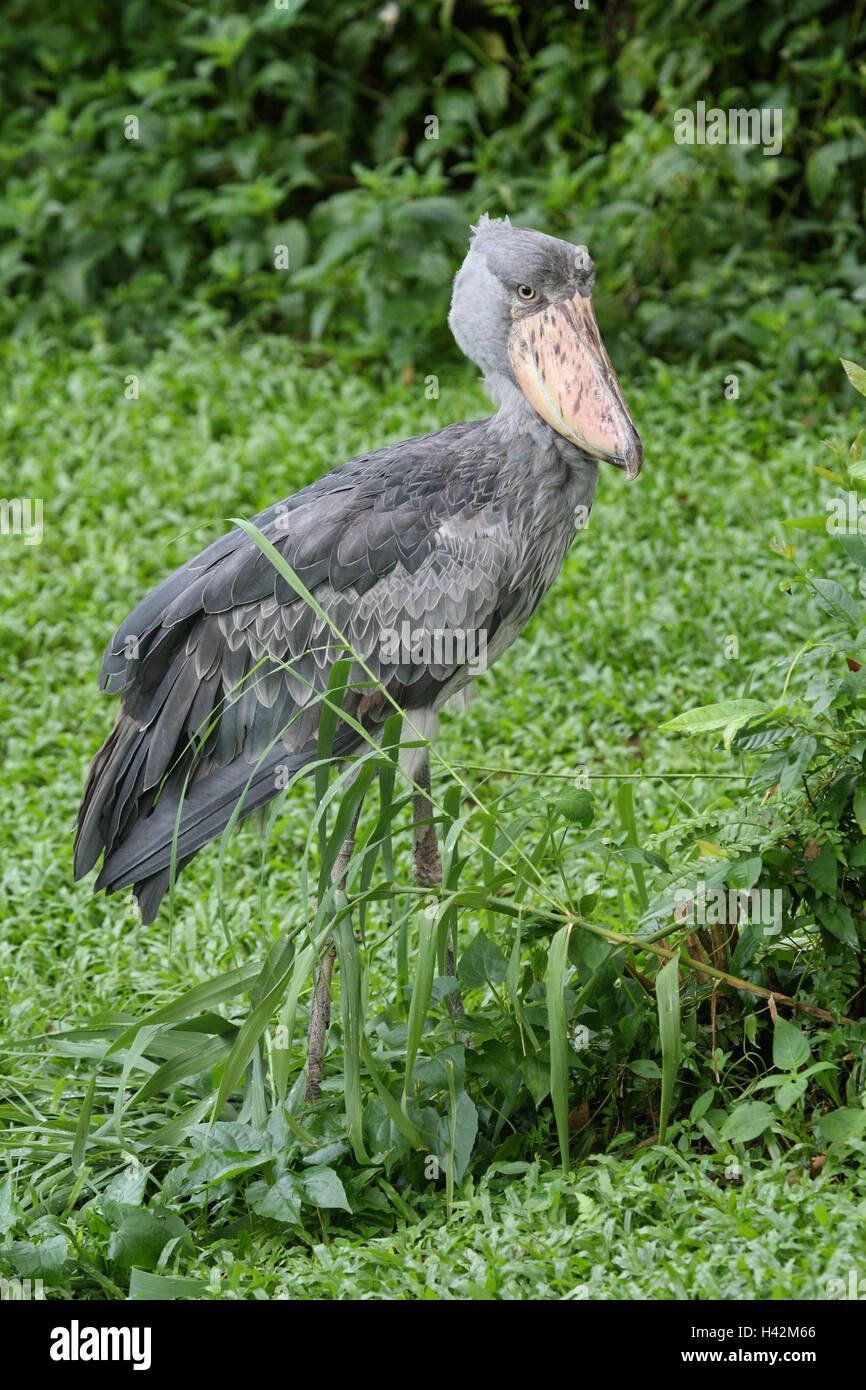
522,309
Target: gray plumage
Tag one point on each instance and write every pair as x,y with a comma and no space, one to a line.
463,529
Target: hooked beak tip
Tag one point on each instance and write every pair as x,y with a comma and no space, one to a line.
630,460
633,462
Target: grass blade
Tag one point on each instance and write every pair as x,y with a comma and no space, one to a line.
625,807
282,1051
400,1120
422,989
351,1012
248,1035
668,1002
79,1143
557,964
338,680
195,1001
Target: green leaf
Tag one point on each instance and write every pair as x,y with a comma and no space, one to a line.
323,1187
838,921
127,1186
791,1048
856,375
743,875
668,1003
481,963
838,1126
854,546
189,1062
463,1128
628,820
747,1122
491,87
827,473
10,1208
196,1000
141,1233
835,600
406,1127
702,1105
822,871
534,1068
807,523
790,1092
557,964
281,1201
759,733
860,806
647,1068
79,1143
795,761
329,716
44,1260
249,1033
422,989
823,165
158,1287
281,1056
495,1061
577,806
727,714
351,1013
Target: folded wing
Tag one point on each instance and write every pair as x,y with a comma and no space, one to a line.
219,666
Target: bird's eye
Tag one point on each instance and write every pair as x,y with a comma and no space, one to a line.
526,292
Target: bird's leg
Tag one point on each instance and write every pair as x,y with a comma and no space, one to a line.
426,863
320,1006
320,1022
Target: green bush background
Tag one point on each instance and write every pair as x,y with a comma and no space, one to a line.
305,127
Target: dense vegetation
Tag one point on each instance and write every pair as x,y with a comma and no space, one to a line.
307,127
704,1080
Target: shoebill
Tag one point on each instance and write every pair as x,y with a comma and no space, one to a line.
426,555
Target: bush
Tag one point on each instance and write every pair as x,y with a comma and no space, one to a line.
261,127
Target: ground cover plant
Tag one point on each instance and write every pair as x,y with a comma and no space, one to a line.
229,235
114,1172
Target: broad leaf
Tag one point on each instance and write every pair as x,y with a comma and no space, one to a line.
728,715
747,1122
791,1048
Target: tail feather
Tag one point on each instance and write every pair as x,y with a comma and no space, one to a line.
139,845
203,813
100,790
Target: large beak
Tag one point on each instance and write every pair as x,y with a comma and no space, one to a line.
564,372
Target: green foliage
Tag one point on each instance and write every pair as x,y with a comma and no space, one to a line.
796,829
155,1139
122,1043
608,1230
305,128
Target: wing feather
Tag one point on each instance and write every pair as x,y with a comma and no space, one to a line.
383,542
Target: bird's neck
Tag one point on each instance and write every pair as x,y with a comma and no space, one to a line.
517,420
